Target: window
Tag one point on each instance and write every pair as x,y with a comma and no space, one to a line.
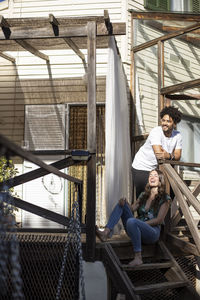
190,131
45,127
173,5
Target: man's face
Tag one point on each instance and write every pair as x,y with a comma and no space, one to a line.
167,124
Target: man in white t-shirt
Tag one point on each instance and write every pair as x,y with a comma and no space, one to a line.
163,142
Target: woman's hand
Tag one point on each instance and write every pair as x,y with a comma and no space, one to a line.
135,205
122,201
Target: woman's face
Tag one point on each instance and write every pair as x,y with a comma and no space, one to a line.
154,179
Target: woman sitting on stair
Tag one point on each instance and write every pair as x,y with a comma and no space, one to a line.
151,206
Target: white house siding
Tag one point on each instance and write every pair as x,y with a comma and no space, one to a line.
63,63
187,68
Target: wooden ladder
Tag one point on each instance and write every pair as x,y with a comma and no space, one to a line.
175,278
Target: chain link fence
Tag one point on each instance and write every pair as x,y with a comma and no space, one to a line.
40,265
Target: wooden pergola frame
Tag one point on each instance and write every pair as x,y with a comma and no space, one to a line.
35,35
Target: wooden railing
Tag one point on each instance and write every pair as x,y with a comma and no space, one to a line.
185,199
8,149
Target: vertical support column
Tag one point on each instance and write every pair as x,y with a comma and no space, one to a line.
91,144
160,77
133,98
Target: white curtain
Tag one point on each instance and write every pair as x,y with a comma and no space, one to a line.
118,152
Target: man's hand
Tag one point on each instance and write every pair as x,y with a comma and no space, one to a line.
160,153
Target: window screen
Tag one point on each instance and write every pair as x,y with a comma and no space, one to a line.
45,127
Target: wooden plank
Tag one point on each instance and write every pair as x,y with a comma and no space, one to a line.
153,15
119,278
3,22
91,143
179,214
149,288
183,97
40,211
165,37
138,138
75,48
64,31
196,190
32,50
189,289
160,78
175,178
61,164
180,86
185,246
186,212
8,57
150,266
177,269
12,149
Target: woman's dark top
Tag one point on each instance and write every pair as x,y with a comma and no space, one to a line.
145,215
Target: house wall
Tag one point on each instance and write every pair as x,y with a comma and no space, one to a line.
32,81
181,65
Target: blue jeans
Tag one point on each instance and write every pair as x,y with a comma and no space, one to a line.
136,229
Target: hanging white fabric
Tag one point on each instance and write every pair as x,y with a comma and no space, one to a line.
118,150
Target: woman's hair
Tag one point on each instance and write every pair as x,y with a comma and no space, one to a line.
161,191
173,112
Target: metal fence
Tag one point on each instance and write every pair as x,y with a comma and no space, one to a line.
40,265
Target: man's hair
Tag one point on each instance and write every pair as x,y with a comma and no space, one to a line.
173,112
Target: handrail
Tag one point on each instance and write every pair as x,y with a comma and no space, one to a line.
182,193
9,148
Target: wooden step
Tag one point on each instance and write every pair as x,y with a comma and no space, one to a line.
148,288
149,266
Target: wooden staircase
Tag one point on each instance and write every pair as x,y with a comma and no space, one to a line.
159,279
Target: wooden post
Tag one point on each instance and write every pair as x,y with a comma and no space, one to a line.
91,144
160,77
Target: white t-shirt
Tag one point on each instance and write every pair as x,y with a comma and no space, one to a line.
145,158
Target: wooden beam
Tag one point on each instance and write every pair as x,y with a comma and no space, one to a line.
139,138
184,246
32,50
180,86
153,15
8,57
61,164
186,212
196,190
91,143
160,78
119,277
75,48
3,22
55,24
183,96
40,211
8,147
166,37
180,163
46,32
5,27
171,173
53,20
175,220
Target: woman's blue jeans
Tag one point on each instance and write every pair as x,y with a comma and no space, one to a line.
136,229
